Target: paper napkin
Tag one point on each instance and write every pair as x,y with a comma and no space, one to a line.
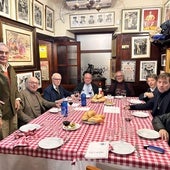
82,108
111,109
97,150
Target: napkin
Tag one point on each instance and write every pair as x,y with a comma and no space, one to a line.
111,109
23,141
82,108
97,150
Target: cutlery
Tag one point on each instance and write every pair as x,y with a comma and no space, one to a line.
137,151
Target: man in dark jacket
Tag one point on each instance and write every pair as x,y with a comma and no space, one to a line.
55,92
151,81
160,103
87,86
162,125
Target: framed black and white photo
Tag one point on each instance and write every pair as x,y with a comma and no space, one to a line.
38,14
92,20
130,20
49,19
128,67
5,8
147,68
163,60
37,74
21,79
166,13
140,47
23,11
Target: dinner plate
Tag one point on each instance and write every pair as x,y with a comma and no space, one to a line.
140,114
148,133
89,122
135,101
29,127
75,127
50,142
122,147
119,97
54,110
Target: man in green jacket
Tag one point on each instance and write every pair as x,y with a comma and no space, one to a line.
9,95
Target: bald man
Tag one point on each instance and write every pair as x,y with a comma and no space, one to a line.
55,92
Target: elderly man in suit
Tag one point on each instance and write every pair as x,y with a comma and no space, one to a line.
32,104
9,95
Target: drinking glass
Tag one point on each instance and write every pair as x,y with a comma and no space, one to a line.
70,102
76,95
117,92
128,118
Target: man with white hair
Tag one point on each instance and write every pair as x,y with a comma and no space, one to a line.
55,92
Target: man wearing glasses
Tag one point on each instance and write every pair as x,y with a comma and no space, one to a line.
32,103
55,92
9,95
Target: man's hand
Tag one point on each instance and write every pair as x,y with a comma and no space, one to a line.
164,135
17,104
149,94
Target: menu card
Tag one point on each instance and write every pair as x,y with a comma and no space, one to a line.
111,109
97,150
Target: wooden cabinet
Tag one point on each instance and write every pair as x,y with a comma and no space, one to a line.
67,63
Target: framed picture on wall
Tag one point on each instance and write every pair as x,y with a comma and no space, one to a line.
49,19
151,19
21,79
163,60
38,14
37,74
147,68
130,20
166,11
5,8
128,67
23,11
140,47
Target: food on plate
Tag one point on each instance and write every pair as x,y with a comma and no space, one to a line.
92,116
98,98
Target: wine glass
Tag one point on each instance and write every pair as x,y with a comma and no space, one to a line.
128,118
76,95
70,102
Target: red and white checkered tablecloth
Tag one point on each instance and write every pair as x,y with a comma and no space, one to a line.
76,147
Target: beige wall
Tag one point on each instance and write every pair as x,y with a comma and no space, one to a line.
62,13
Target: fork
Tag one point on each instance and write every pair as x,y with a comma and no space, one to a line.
137,151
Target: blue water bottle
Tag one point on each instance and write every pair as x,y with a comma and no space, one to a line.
64,108
83,99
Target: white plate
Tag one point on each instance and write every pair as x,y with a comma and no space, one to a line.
29,127
54,110
77,126
122,147
50,143
148,133
119,97
135,101
140,114
90,123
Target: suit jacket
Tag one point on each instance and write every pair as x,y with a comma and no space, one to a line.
79,88
27,111
160,99
8,93
141,96
52,95
162,122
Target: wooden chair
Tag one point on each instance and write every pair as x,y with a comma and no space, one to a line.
89,167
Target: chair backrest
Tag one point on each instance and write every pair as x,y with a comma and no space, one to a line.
89,167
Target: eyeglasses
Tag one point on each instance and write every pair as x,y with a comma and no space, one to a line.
31,82
56,79
4,52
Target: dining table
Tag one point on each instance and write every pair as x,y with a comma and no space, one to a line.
24,150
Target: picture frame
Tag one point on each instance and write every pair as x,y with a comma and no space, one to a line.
140,47
147,68
128,67
23,11
112,67
37,74
163,60
131,20
38,14
92,20
5,8
21,41
49,19
21,79
151,19
166,11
